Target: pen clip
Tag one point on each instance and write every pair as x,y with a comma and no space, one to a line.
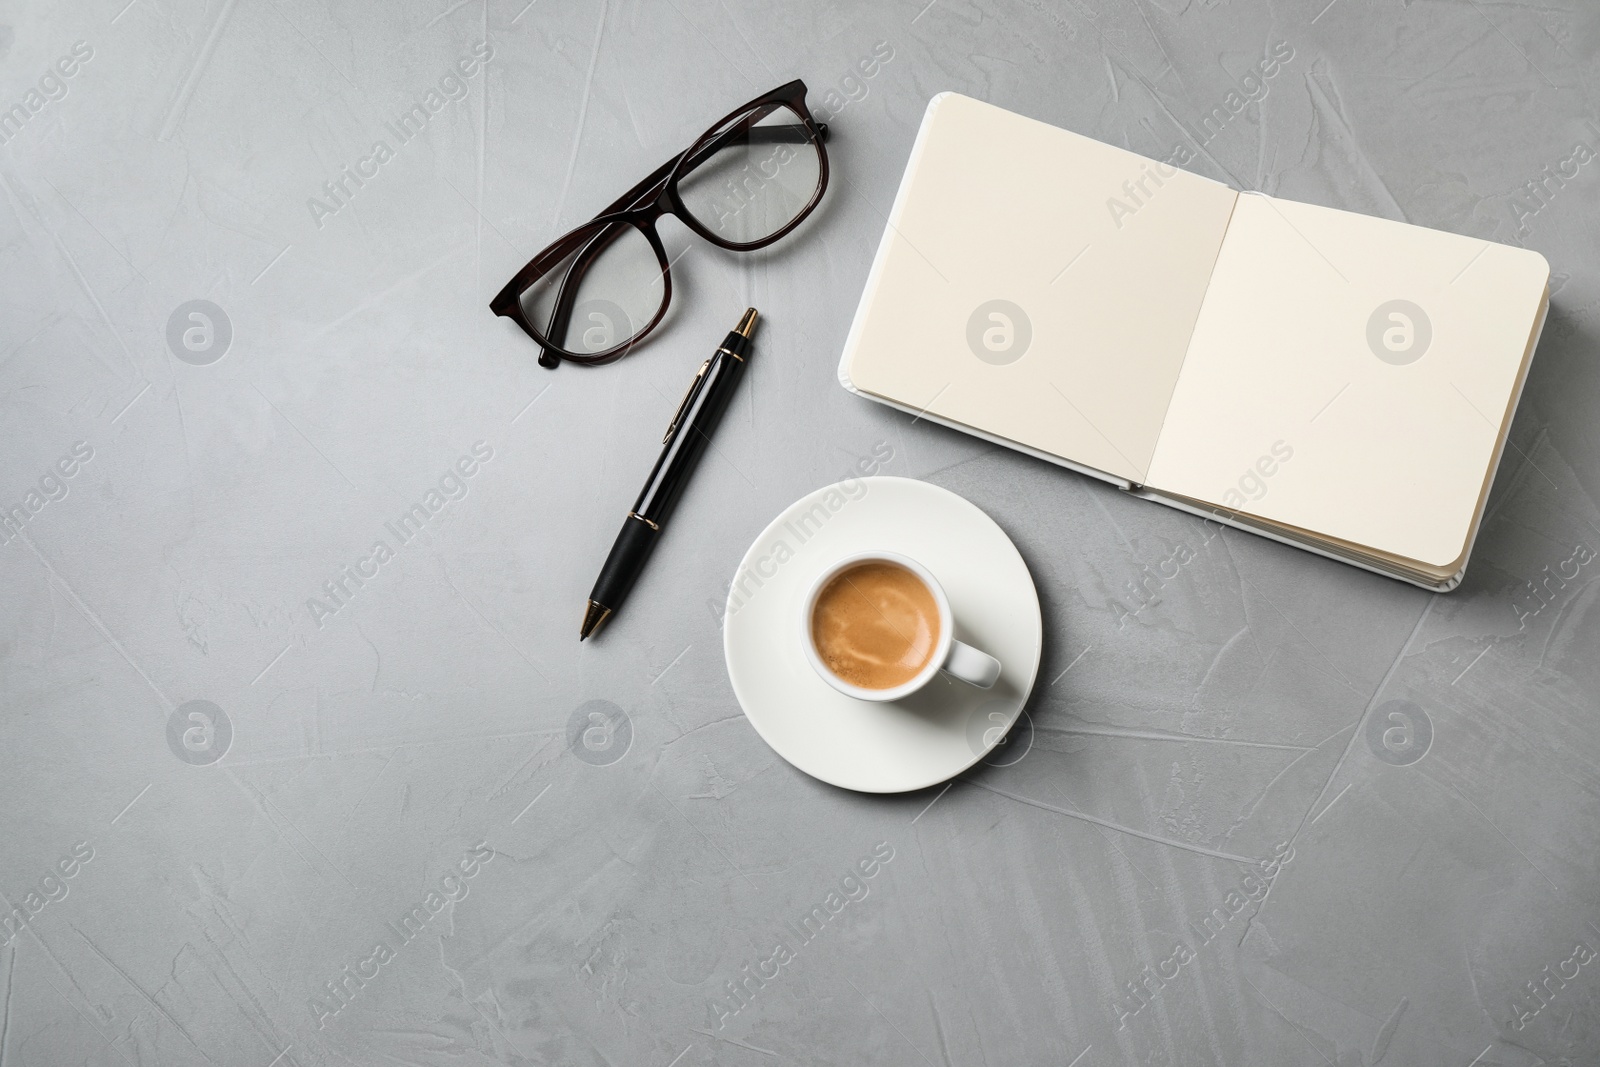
687,393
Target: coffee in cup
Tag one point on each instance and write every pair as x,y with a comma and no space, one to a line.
877,626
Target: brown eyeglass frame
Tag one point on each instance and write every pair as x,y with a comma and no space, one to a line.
640,208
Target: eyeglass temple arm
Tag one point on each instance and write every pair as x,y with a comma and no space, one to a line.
641,194
790,133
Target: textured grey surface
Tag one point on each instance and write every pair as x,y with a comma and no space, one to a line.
1433,910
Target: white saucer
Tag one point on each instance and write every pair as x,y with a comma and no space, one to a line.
930,736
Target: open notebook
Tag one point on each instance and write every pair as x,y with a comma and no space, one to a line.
1335,381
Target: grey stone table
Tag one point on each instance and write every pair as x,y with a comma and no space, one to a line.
260,810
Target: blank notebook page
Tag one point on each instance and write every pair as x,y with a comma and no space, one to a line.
1387,454
995,206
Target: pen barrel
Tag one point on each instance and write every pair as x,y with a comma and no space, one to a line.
686,440
689,440
623,566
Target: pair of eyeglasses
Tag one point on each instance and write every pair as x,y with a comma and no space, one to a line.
592,295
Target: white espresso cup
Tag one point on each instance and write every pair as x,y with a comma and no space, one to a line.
955,658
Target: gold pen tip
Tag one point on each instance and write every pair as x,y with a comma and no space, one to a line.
594,614
747,324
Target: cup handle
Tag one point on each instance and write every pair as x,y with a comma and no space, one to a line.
971,666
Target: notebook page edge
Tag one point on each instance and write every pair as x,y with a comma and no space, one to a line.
875,272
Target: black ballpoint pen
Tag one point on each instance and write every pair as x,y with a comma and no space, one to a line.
686,438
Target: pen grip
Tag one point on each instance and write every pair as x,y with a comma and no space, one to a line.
633,546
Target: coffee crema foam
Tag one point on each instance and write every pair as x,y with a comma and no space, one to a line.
875,625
